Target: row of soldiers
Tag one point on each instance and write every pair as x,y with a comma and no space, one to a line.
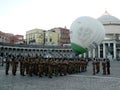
45,66
105,66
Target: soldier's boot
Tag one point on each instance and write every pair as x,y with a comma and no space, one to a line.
23,74
6,72
56,74
14,73
94,73
40,75
50,75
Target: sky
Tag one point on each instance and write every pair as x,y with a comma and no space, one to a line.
19,16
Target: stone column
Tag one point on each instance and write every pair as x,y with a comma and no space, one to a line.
104,53
114,50
93,53
98,51
84,55
89,54
108,48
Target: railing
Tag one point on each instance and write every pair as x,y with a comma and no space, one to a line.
32,46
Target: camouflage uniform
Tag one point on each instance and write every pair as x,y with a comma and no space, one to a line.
14,66
23,62
55,67
40,67
108,66
104,66
7,65
94,66
50,68
27,66
31,66
97,66
64,66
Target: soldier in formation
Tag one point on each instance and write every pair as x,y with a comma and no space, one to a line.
96,66
49,67
14,65
108,66
7,65
105,66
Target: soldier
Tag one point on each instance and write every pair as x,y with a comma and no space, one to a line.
108,66
40,67
49,68
97,66
14,65
64,66
59,66
79,64
7,65
23,64
82,65
85,64
27,65
104,66
31,66
36,66
54,67
94,65
70,66
45,61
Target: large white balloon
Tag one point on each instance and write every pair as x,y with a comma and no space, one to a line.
85,34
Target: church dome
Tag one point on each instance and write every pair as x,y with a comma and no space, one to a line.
106,18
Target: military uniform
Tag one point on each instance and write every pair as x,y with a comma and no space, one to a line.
97,66
36,66
104,66
108,66
14,65
45,61
23,62
7,65
64,67
27,66
94,66
31,66
55,67
40,67
49,68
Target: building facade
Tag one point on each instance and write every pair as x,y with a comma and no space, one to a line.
63,35
18,39
11,38
110,46
35,36
4,38
51,38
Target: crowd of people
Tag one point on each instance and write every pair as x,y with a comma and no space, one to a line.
50,67
40,66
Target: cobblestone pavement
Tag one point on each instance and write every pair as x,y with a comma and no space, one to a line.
81,81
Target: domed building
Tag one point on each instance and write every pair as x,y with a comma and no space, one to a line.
110,47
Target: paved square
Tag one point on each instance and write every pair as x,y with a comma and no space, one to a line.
81,81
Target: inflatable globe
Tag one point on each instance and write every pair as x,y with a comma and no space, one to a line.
85,34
